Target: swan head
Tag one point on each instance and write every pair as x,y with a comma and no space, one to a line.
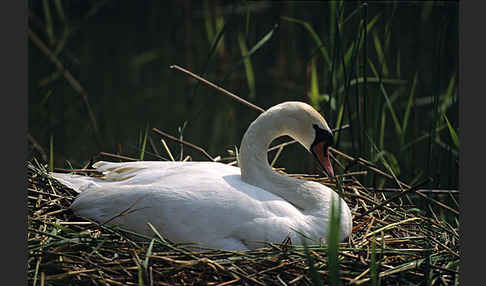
302,122
320,148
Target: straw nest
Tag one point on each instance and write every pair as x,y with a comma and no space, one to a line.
394,241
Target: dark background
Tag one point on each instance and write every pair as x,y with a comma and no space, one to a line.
120,53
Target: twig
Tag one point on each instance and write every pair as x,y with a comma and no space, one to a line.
445,247
223,91
401,184
393,198
282,145
368,165
432,191
75,170
126,211
439,203
117,156
184,142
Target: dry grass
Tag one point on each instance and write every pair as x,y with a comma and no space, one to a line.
410,247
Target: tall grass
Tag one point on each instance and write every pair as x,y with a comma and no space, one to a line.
334,238
389,112
389,70
362,64
143,142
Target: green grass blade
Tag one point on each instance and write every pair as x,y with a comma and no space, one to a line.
157,233
314,37
381,55
262,41
48,25
361,80
315,277
303,235
352,14
382,155
313,93
144,143
144,58
389,104
333,239
446,147
369,26
207,21
51,154
257,46
216,41
338,122
408,109
449,95
149,252
139,271
420,138
250,76
373,264
381,138
36,271
390,160
452,132
373,68
254,49
394,116
46,97
60,11
347,58
372,22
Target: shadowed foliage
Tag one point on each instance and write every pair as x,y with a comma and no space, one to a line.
100,80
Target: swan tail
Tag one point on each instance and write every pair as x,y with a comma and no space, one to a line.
76,182
112,172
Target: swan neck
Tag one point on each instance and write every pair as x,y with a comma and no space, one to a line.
253,156
255,169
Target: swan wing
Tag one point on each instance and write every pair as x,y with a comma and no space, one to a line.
187,202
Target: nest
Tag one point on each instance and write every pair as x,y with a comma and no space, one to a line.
393,242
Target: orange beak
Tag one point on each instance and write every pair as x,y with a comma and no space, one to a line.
321,152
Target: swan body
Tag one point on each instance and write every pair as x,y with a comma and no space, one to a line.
215,204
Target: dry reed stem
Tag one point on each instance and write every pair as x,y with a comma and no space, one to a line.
92,253
195,147
121,157
223,91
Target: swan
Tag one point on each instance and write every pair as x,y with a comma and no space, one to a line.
217,205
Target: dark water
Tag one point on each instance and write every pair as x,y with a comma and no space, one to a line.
120,52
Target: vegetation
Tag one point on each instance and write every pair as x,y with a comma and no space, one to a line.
384,75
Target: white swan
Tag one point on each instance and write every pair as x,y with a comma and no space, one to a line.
215,204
